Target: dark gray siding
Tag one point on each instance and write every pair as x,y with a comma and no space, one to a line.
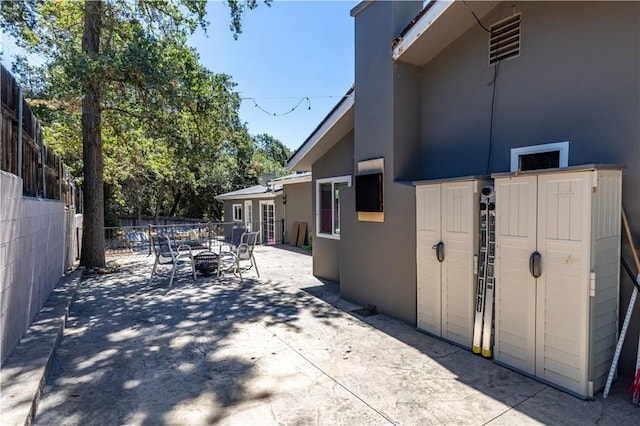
378,259
228,210
577,79
255,203
279,216
298,207
338,161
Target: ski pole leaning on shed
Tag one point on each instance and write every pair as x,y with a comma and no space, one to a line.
627,318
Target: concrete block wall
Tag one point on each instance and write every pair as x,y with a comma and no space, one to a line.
32,257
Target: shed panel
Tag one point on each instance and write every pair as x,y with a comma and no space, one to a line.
428,270
515,337
447,212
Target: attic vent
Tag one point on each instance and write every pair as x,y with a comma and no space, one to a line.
504,42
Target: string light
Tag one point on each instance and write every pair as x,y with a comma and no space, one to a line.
296,106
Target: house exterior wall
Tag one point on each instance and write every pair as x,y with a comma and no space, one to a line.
227,213
576,80
338,161
37,245
381,256
279,214
297,208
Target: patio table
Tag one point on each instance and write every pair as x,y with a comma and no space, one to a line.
206,262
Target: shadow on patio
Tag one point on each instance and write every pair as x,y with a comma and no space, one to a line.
141,353
283,349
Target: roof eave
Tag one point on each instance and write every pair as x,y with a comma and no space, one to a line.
264,195
438,27
335,126
301,179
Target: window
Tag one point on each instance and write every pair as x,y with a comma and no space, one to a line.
546,156
237,212
328,205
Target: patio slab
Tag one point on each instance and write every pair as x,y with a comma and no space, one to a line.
281,349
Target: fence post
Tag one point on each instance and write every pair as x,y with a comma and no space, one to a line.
43,155
60,196
20,133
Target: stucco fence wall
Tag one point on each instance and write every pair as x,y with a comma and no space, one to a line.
38,243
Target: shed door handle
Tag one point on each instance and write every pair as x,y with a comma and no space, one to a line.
535,264
439,251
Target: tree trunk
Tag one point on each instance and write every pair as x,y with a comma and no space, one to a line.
176,201
93,242
139,204
156,213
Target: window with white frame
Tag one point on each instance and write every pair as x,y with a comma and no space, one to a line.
328,205
535,157
237,212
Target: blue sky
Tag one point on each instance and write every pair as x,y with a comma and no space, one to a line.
291,50
286,52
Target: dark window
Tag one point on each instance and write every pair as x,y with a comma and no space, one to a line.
369,193
540,160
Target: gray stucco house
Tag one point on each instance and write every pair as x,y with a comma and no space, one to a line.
271,208
257,207
296,201
438,94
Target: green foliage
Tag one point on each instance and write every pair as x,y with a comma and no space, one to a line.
270,156
310,245
171,135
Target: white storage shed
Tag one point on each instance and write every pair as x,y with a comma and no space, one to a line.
447,221
557,274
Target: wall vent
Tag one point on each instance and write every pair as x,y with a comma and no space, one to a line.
504,42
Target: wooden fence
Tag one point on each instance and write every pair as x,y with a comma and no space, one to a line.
23,152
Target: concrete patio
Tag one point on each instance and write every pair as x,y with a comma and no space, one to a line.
281,349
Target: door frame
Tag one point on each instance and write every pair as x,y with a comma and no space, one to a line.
269,224
248,214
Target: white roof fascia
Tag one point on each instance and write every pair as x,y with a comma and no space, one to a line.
421,26
249,196
346,105
300,179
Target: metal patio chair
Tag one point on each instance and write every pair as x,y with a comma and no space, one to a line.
232,260
166,255
233,240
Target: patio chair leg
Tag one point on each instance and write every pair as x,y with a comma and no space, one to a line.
253,262
153,271
193,268
173,273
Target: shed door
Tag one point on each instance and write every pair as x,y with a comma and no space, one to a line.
428,230
458,284
515,290
563,288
